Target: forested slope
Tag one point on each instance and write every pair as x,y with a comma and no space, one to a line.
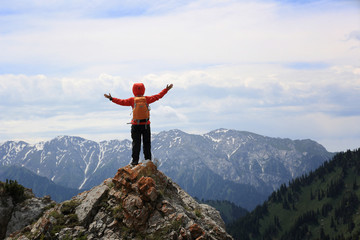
323,204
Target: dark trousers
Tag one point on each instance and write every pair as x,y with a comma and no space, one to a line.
138,131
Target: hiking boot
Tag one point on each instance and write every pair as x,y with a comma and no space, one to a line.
133,164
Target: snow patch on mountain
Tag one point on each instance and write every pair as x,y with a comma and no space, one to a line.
237,156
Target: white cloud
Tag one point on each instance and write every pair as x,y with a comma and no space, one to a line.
165,114
278,100
99,125
283,66
25,89
195,34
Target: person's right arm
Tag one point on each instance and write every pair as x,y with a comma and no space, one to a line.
122,102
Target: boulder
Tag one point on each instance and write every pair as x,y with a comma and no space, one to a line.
89,202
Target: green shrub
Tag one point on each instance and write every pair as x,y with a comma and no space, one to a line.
68,207
198,213
117,212
15,190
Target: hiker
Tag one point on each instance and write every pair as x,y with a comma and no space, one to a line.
140,123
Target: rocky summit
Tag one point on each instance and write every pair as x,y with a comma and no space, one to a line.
138,203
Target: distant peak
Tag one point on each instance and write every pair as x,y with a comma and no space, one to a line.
70,138
60,137
221,130
174,132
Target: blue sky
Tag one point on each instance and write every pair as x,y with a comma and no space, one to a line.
287,69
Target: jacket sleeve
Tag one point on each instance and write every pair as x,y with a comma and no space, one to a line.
124,102
153,98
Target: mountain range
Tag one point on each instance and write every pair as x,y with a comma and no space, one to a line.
238,166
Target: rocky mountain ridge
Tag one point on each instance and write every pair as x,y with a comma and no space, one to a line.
19,207
222,164
138,203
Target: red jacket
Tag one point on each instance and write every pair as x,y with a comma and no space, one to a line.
139,90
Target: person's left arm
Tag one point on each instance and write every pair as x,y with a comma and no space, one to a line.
153,98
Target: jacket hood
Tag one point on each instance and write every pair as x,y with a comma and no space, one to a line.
138,89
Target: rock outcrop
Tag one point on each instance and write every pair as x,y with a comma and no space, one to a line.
138,203
16,213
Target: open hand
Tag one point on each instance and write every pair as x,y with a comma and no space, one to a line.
168,87
107,96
